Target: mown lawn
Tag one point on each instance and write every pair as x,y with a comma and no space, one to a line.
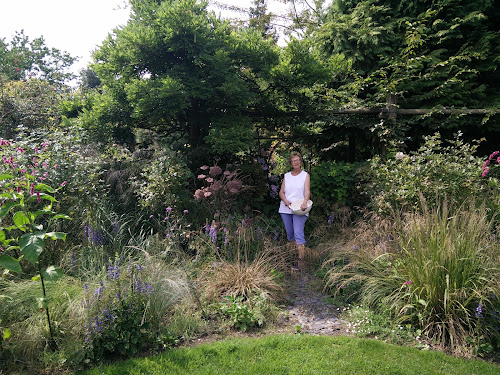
299,354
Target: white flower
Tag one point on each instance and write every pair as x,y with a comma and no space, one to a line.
399,156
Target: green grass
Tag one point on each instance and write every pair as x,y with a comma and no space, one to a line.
298,354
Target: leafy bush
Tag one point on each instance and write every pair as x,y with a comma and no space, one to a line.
163,180
242,317
334,181
434,170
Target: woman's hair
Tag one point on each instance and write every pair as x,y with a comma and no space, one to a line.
294,154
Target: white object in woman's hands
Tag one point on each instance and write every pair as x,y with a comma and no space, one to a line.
295,207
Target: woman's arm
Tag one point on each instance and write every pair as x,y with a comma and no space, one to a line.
282,194
307,192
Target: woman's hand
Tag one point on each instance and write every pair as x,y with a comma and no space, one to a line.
303,206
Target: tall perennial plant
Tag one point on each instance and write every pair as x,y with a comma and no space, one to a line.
27,216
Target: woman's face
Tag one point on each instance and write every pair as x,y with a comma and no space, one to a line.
295,162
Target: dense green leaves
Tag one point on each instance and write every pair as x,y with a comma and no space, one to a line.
177,69
21,59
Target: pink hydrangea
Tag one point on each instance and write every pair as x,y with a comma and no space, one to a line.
215,171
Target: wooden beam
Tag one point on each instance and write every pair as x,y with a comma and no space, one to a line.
411,111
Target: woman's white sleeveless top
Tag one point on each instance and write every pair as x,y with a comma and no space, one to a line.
294,190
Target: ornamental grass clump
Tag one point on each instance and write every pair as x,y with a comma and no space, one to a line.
244,277
439,265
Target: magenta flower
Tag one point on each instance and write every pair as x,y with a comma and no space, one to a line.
406,283
485,172
168,209
38,197
20,149
63,183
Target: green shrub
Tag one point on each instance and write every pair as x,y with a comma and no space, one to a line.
334,181
241,315
163,181
434,170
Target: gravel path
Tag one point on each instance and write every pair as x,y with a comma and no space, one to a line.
309,310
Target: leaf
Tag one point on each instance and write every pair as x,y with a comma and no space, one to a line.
10,263
21,220
52,273
2,236
44,196
56,235
5,176
44,187
42,212
6,333
62,216
4,210
31,245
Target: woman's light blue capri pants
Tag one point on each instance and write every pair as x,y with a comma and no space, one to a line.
294,225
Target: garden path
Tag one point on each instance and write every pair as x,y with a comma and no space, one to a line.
309,309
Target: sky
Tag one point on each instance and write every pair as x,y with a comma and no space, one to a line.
79,26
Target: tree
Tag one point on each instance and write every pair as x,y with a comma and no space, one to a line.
28,105
423,52
261,21
418,54
178,70
21,59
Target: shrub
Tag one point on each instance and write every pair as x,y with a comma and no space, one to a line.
334,181
163,180
434,170
241,315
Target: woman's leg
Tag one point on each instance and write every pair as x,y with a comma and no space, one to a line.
299,223
289,227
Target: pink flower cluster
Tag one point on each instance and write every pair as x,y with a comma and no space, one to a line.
218,182
407,283
486,164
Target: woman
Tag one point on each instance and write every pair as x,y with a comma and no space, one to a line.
296,186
